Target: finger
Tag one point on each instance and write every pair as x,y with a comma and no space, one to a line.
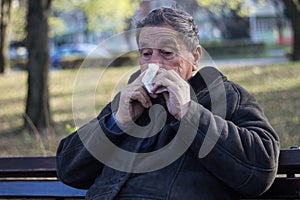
138,79
153,95
170,74
165,80
164,83
166,96
142,97
161,70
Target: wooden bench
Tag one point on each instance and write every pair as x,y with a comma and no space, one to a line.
35,177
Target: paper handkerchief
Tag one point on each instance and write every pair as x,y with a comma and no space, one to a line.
149,76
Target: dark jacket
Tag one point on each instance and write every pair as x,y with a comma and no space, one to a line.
234,151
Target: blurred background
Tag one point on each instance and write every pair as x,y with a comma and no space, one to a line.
256,28
43,43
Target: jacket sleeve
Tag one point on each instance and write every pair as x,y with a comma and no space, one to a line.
242,149
76,165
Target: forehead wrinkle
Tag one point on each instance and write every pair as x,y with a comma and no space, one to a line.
149,42
157,37
169,43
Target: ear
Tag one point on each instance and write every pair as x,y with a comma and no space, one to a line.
197,52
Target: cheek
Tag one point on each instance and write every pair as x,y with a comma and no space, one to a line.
185,70
177,65
143,65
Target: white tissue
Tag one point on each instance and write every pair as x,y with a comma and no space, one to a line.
149,76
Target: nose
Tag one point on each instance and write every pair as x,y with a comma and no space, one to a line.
156,58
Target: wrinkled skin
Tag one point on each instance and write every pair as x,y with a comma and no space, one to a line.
161,46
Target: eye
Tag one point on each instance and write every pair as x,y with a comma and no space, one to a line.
146,53
167,54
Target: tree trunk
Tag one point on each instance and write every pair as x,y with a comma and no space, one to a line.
296,43
38,117
294,12
4,33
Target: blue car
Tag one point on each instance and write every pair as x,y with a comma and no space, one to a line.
69,53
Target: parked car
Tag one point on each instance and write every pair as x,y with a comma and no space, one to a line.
18,55
72,55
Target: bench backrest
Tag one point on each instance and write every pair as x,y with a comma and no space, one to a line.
35,177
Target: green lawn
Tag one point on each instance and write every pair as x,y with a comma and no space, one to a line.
277,88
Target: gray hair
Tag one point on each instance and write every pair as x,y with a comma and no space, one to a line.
180,20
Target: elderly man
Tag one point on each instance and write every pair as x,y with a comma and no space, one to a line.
188,134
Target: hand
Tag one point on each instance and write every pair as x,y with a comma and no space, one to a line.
178,92
133,100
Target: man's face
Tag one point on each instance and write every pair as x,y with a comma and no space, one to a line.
162,46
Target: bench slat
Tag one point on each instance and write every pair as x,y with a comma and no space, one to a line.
289,161
284,188
28,166
38,189
44,168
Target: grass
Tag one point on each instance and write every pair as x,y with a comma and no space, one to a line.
277,88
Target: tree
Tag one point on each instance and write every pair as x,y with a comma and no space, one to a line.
4,29
293,13
228,16
101,15
18,21
37,116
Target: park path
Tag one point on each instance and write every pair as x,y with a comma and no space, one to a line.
238,62
272,57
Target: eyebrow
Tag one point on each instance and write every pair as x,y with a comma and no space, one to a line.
164,43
